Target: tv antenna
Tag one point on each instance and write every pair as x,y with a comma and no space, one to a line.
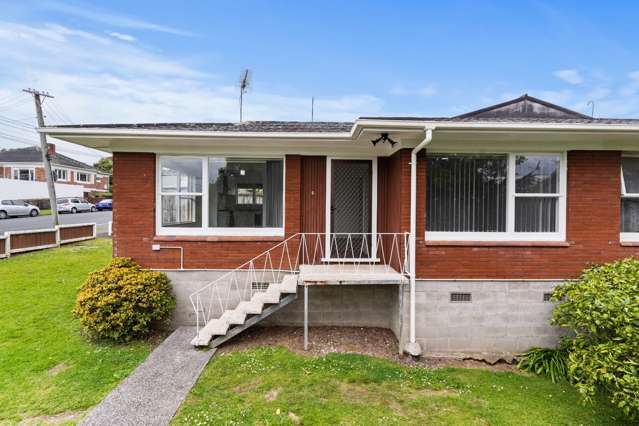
245,81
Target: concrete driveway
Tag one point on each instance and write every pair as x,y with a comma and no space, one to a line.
43,222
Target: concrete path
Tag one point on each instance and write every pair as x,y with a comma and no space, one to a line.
154,391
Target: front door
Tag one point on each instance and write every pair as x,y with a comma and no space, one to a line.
351,207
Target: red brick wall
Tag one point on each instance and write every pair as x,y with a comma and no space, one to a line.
593,215
134,220
593,222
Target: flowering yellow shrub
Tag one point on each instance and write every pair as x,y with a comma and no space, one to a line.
121,301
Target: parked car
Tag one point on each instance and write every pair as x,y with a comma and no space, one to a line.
10,208
74,205
106,204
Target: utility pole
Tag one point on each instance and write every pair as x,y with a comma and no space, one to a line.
38,98
313,109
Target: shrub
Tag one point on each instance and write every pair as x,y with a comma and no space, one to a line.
548,362
121,301
601,309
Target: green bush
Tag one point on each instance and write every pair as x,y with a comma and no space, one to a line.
121,301
601,309
549,362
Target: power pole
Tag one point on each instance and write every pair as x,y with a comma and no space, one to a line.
38,98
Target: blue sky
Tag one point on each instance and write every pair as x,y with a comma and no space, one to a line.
123,61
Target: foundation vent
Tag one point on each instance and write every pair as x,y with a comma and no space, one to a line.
259,285
461,297
547,297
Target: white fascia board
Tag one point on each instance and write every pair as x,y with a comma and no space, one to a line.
55,131
478,125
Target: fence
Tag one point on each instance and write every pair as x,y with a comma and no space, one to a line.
22,241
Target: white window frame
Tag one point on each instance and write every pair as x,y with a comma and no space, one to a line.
510,234
205,229
631,237
66,174
77,179
31,170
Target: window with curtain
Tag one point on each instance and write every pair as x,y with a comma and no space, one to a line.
218,193
181,191
630,195
495,196
245,193
536,193
466,193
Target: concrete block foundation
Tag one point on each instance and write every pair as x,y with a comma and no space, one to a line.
501,318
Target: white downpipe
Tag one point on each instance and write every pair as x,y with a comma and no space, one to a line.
412,347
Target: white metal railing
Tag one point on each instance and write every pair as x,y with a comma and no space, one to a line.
346,252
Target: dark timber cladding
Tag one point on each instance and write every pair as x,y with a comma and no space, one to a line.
35,239
313,194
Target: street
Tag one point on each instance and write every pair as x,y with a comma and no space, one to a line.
101,219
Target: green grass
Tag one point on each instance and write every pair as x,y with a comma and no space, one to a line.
262,386
45,212
46,365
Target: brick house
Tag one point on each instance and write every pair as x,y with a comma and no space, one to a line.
450,231
26,164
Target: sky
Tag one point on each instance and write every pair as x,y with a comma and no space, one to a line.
168,61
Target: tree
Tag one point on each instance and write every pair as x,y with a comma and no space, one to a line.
104,164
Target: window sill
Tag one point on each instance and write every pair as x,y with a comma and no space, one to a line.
498,243
217,238
629,243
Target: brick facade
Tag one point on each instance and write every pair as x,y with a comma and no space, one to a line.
593,224
134,221
593,221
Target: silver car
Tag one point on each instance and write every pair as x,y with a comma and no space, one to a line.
10,208
74,205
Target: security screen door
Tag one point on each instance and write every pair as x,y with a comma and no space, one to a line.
351,203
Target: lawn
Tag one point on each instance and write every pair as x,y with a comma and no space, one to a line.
47,366
275,386
45,212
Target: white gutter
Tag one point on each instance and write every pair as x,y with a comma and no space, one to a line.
412,347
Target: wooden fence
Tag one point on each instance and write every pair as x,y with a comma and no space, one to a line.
21,241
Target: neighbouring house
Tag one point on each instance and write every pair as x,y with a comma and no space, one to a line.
450,231
74,177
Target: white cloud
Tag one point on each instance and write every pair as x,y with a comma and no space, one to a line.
122,36
95,78
571,76
104,17
425,91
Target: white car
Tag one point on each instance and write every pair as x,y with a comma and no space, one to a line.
10,208
74,205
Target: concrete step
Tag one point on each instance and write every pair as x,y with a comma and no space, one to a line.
289,284
234,317
251,307
269,296
216,327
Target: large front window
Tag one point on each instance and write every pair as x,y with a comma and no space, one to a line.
221,196
495,197
630,198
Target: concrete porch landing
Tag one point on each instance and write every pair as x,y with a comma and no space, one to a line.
347,274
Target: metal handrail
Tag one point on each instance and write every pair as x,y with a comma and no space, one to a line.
346,251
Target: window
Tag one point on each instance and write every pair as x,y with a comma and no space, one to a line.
83,177
60,174
24,174
181,191
495,197
630,198
220,196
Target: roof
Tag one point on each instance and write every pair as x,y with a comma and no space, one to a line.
246,126
524,109
521,110
33,155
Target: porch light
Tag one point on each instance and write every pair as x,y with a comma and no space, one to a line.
384,138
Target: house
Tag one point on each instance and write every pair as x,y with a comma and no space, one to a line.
25,164
450,231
